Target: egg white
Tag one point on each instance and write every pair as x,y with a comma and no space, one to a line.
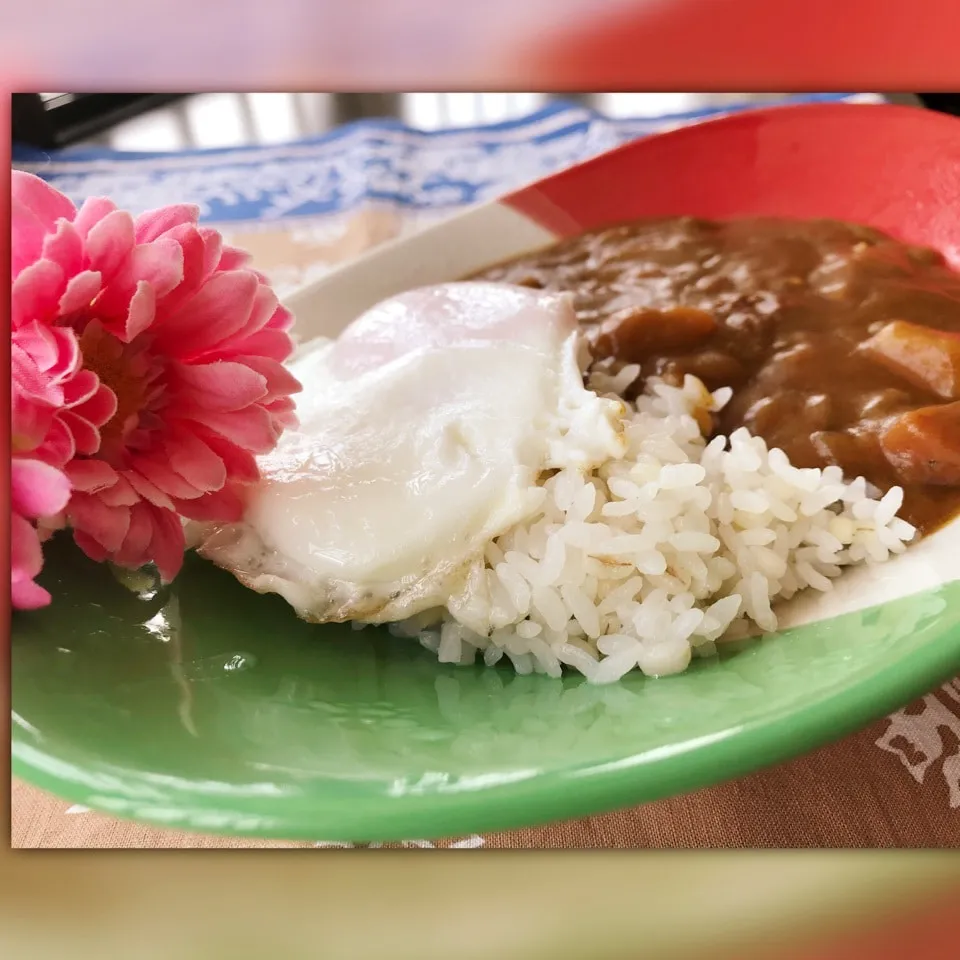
424,430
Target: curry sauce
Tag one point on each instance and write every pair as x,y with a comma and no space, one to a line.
841,344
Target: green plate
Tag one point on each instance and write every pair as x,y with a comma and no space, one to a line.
207,707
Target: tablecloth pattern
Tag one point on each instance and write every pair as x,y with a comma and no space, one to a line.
303,208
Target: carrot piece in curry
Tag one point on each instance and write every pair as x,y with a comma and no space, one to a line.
928,358
924,445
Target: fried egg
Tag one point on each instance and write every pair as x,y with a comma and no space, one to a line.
426,429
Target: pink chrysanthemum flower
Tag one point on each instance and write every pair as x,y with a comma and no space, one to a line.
188,341
48,392
52,398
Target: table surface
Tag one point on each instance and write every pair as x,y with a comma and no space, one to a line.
894,784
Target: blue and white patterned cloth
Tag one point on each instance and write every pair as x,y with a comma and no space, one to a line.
371,161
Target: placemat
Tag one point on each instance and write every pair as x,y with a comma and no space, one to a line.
303,208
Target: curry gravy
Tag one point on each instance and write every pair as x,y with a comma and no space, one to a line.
841,344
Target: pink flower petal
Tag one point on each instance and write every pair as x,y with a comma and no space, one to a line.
32,422
241,464
269,312
141,312
99,408
165,479
27,233
91,476
106,525
86,436
46,202
133,553
91,212
195,461
224,506
217,386
58,447
65,248
265,304
192,250
154,223
283,412
274,344
121,494
233,258
36,293
48,526
27,595
94,550
52,351
282,319
42,348
280,381
67,349
26,376
212,249
158,265
32,426
167,544
147,490
80,388
251,429
81,291
26,559
37,489
110,243
220,308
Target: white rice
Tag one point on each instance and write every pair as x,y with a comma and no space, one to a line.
650,560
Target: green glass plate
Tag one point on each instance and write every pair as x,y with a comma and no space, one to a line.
207,707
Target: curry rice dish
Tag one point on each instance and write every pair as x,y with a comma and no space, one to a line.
714,417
